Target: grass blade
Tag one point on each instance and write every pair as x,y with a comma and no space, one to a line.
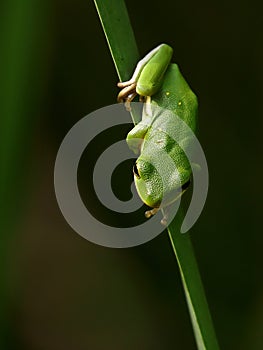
119,34
195,296
121,41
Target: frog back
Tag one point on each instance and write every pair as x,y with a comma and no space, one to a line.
176,95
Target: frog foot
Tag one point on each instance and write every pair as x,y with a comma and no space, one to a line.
150,213
166,213
127,93
164,219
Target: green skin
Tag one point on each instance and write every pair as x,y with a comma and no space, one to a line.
163,85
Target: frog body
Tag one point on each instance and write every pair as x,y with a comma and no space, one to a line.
159,133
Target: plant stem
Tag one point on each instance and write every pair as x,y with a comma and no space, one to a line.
195,296
121,41
119,34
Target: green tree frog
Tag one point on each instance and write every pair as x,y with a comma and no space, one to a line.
159,82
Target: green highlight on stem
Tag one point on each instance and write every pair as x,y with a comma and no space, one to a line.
119,34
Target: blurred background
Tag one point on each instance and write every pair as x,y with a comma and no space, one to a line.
59,291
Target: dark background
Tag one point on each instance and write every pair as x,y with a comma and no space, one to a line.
60,291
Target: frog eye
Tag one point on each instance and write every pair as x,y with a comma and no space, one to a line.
186,185
135,171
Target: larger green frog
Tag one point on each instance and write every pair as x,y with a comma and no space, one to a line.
167,96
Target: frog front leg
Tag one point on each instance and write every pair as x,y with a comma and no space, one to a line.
136,137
